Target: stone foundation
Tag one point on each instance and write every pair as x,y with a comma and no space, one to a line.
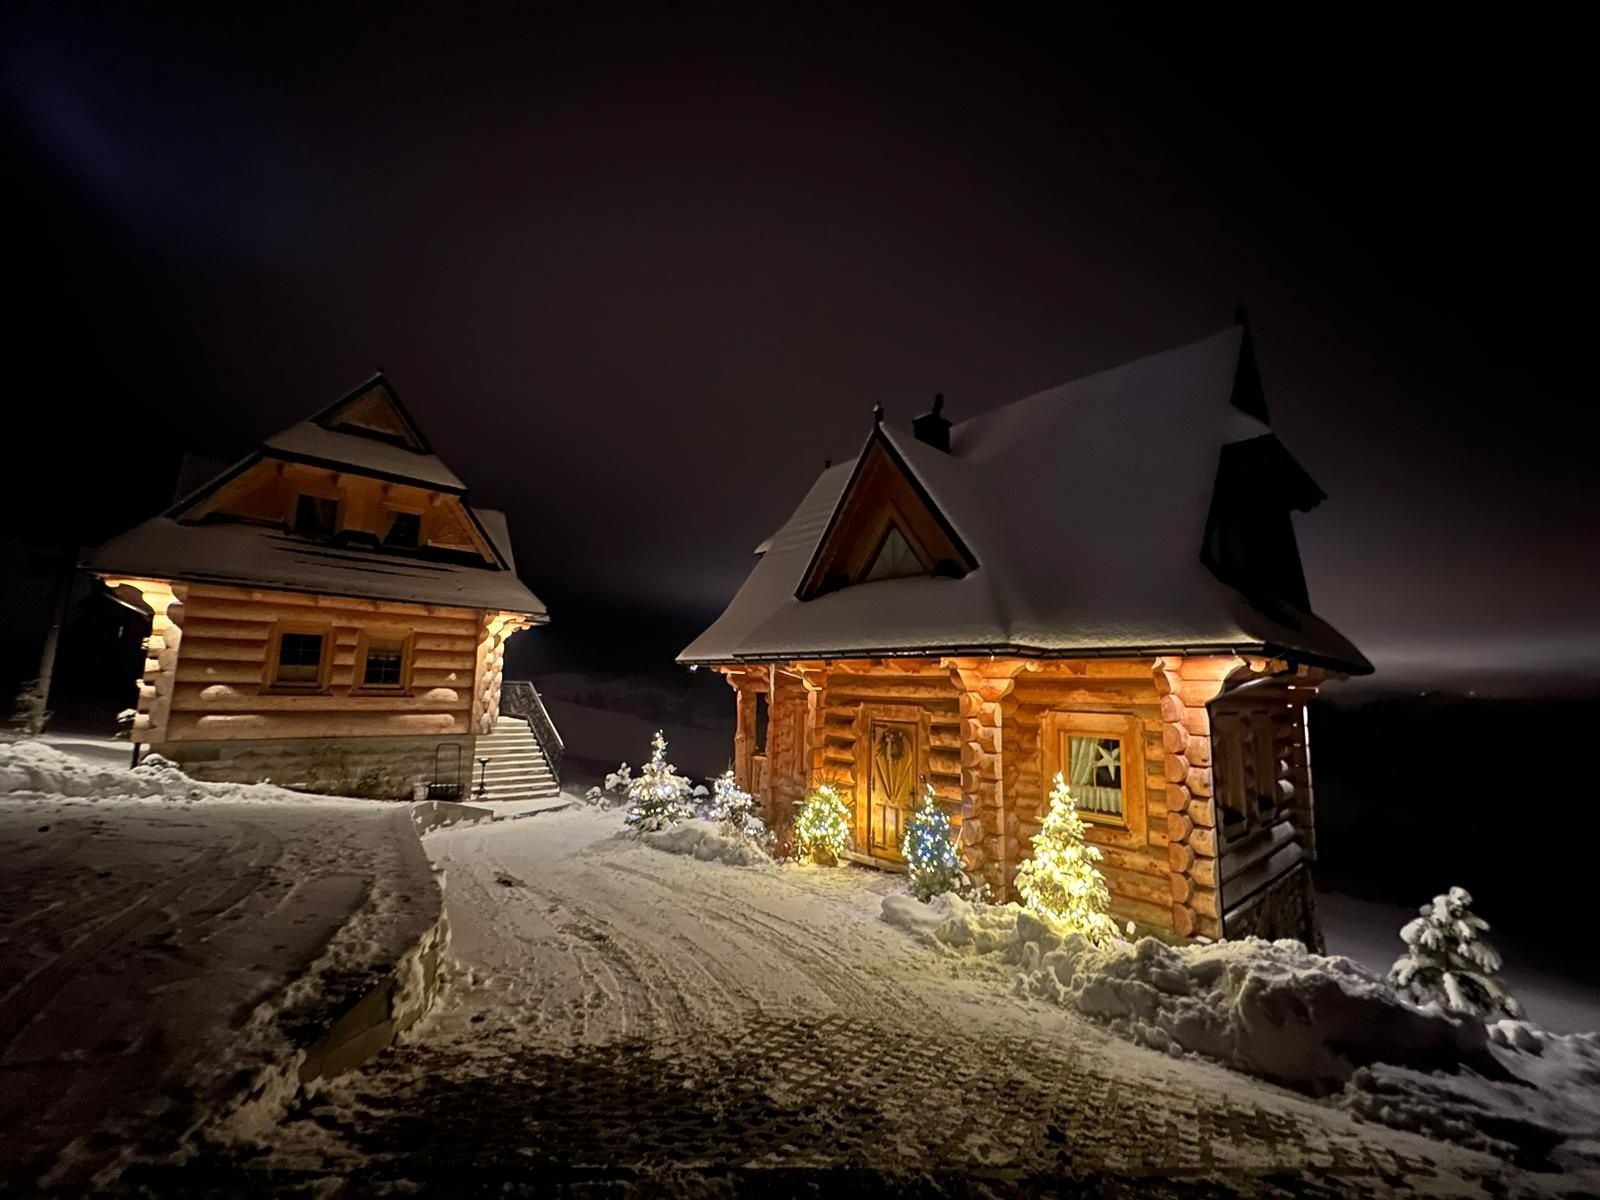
1285,908
378,768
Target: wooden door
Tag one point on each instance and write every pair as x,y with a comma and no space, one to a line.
892,786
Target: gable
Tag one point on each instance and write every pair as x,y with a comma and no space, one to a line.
885,526
266,491
374,410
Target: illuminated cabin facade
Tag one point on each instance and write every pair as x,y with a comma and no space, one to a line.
1101,580
330,612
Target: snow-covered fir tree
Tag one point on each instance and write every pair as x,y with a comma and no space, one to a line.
1447,962
929,848
822,826
1062,879
659,796
735,810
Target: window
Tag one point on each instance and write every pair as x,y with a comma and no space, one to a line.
299,659
383,662
1093,767
316,516
1102,757
405,530
895,558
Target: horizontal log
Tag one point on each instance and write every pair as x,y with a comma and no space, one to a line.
309,600
1049,693
1135,860
1157,916
209,671
1127,885
1139,669
1210,667
239,631
225,698
237,726
443,660
887,691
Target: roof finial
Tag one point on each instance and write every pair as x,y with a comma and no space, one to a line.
1241,315
826,463
938,403
877,413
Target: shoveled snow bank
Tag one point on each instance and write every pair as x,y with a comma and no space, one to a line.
702,839
1271,1009
31,768
1324,1025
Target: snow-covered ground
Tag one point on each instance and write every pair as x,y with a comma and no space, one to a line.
622,1015
162,941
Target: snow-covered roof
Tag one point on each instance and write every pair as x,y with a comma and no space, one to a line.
366,432
1085,507
265,556
313,443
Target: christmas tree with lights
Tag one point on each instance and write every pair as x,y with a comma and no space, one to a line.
1061,880
929,848
659,796
1448,963
822,826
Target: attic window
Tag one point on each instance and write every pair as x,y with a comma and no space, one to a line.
405,531
895,558
316,516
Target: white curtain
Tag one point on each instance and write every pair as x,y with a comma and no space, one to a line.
1084,754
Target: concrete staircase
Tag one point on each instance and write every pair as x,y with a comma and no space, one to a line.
517,767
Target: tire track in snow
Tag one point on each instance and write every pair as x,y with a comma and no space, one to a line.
843,985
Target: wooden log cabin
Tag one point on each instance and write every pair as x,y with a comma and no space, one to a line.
1101,580
330,612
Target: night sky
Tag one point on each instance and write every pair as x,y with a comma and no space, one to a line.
637,283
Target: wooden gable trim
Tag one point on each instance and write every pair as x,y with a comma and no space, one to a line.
831,549
415,439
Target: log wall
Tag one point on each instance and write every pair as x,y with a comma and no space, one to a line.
207,676
1135,863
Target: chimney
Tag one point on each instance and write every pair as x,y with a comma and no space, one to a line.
932,427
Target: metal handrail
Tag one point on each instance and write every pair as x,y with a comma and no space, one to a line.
519,698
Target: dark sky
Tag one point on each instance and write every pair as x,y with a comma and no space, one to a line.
638,283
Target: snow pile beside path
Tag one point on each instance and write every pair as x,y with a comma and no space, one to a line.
31,768
1271,1009
1324,1025
705,840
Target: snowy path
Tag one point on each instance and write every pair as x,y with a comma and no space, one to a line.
621,1014
147,947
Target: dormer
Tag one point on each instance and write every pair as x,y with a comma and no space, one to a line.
360,474
885,526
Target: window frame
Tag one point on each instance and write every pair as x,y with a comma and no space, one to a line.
391,510
1130,827
273,682
358,676
307,493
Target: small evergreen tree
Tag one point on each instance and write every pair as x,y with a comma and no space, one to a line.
822,826
929,848
734,809
659,795
1061,880
1447,962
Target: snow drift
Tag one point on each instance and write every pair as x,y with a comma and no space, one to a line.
705,840
1271,1009
1323,1025
32,768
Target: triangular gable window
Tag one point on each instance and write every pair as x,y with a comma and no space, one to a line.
373,410
885,526
896,559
